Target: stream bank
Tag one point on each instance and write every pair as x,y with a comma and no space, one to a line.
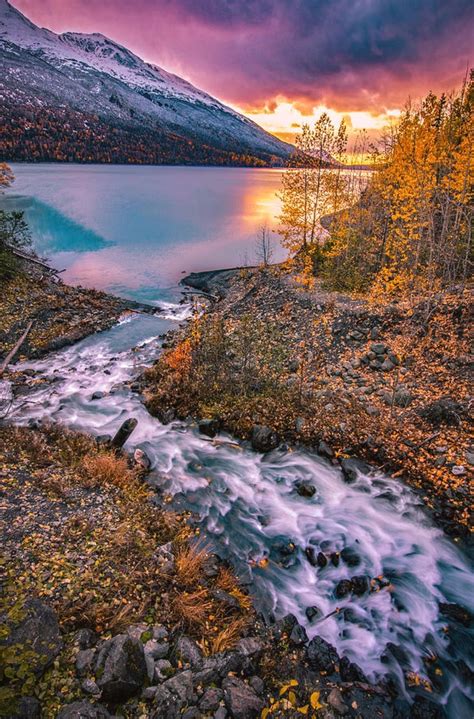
251,508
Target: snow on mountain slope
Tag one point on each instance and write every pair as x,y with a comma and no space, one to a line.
94,74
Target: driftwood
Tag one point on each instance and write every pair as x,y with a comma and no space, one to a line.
15,349
124,432
35,260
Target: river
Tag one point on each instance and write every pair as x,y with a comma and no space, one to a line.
133,231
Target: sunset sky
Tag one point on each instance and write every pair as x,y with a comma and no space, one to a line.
282,62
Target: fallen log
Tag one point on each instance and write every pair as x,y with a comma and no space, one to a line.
124,432
15,349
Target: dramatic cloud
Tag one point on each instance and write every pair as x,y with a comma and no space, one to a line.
350,55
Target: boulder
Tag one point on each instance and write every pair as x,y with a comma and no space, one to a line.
142,459
188,652
305,489
120,668
402,397
312,613
173,696
263,438
298,636
84,662
336,702
211,699
321,560
85,638
37,632
456,612
26,708
325,450
321,655
443,411
351,467
350,557
351,672
360,585
83,710
343,588
240,699
209,427
311,556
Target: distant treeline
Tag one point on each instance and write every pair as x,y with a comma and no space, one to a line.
55,134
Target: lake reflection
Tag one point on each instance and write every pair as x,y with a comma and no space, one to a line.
135,230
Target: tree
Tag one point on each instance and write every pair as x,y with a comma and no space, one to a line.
263,246
6,175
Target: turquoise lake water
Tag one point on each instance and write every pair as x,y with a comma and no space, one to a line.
136,231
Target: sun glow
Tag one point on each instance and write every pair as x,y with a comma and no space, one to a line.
285,119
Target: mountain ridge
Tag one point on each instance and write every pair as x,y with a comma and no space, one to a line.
79,79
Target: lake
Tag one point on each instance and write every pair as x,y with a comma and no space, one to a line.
135,231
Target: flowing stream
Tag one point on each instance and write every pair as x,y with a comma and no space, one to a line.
249,508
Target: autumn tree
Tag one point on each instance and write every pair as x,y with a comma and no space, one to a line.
6,176
263,246
411,229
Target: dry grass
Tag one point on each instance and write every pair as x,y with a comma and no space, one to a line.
194,609
106,468
227,581
228,637
189,563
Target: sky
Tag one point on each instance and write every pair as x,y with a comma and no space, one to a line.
283,62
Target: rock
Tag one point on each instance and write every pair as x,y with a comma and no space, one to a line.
335,556
456,612
299,424
26,708
103,439
148,693
37,632
325,450
156,650
351,672
163,670
98,395
311,556
351,467
443,411
241,700
209,427
84,661
305,489
120,668
139,631
470,457
90,687
257,684
142,459
263,438
423,708
350,557
211,566
164,555
226,598
286,625
387,365
211,699
321,655
321,560
173,696
402,397
343,588
298,636
85,638
458,470
221,713
360,585
191,713
335,701
378,348
188,651
83,710
159,632
250,646
312,613
374,333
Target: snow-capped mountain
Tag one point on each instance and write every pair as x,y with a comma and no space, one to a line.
94,76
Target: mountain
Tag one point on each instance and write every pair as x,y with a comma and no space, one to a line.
86,98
